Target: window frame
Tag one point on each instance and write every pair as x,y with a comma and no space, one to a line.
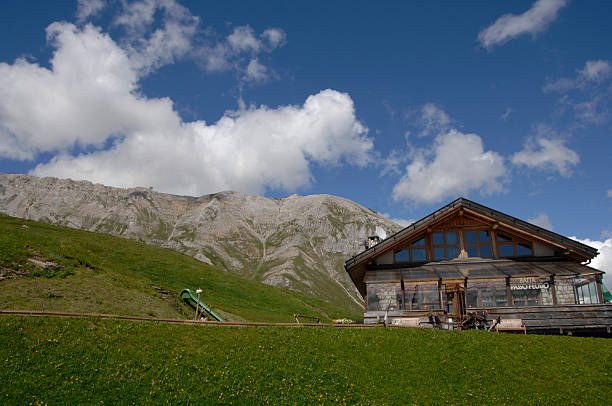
479,243
514,241
445,245
410,248
427,250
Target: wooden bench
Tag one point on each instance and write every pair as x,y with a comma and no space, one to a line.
511,325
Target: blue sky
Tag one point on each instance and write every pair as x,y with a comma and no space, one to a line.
399,106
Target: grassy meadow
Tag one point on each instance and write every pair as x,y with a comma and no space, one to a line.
50,360
104,274
53,360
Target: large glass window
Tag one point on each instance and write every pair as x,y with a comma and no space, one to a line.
445,245
487,293
531,291
478,243
586,291
415,252
422,296
384,296
510,246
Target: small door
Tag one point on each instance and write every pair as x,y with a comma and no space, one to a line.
455,299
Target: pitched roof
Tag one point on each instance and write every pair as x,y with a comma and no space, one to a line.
467,204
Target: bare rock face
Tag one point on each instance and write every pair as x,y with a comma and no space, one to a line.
298,242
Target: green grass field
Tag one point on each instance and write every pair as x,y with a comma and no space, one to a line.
52,360
104,274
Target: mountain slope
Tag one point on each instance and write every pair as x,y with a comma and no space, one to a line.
299,243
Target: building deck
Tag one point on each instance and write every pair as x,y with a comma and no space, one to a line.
579,319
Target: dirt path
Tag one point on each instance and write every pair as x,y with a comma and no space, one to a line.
37,313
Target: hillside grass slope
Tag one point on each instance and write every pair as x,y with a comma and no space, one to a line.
45,267
49,360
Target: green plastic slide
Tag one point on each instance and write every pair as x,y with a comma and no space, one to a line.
188,294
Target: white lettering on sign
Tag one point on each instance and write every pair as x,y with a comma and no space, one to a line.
543,285
528,283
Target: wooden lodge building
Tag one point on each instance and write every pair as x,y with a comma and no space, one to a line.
466,258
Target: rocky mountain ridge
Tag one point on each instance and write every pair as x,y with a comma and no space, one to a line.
298,242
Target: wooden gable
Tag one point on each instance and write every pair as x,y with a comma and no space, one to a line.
460,221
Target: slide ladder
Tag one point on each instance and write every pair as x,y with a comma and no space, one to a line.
188,294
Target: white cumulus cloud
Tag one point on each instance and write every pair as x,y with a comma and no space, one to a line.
596,70
256,71
88,8
155,33
150,48
89,94
244,39
246,150
603,261
546,151
588,94
532,21
274,38
433,120
594,111
89,98
456,165
242,45
593,72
